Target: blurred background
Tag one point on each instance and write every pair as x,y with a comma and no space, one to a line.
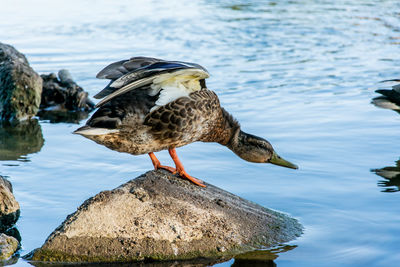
302,74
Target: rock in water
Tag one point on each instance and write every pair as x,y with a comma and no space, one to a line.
63,100
162,217
8,246
20,86
63,93
9,207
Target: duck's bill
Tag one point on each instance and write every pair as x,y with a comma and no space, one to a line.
277,160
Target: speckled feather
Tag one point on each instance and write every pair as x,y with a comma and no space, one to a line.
198,117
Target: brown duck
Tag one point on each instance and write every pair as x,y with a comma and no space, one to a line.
153,104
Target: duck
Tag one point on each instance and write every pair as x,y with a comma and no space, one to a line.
152,104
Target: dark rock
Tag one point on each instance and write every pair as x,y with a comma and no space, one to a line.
390,98
63,96
20,86
9,207
20,139
63,100
159,216
13,231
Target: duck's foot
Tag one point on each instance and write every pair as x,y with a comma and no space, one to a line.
157,165
181,171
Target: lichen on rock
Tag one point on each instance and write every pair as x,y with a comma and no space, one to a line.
159,216
8,246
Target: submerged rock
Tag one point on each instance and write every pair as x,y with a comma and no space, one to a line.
8,246
159,216
62,98
9,207
20,86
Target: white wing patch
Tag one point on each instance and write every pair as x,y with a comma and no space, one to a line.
175,85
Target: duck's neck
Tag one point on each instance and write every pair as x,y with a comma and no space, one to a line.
236,142
231,130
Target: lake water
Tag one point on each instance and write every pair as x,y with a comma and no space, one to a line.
299,73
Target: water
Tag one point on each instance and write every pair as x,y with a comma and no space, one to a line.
300,73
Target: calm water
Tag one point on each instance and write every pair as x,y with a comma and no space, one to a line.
300,73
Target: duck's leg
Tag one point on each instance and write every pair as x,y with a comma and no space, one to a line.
181,171
157,164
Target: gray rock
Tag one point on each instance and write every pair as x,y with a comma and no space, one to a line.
63,100
63,93
20,86
162,217
9,207
8,246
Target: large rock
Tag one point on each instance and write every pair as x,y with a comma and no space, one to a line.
20,86
9,207
8,246
162,217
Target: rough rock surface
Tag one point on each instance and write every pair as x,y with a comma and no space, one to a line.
20,86
8,246
9,207
62,97
162,217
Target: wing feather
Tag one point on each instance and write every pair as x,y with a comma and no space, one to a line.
127,75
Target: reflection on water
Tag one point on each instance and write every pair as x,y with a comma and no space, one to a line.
198,262
261,257
390,98
392,178
56,116
20,139
254,258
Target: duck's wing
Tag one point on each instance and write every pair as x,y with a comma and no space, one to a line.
177,78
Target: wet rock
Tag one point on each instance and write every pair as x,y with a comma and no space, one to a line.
9,207
8,246
62,98
159,216
20,86
20,139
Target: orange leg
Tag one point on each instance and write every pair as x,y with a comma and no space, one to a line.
157,164
181,171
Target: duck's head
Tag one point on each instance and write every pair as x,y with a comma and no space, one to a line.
256,149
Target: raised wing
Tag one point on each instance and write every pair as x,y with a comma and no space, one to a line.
176,77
